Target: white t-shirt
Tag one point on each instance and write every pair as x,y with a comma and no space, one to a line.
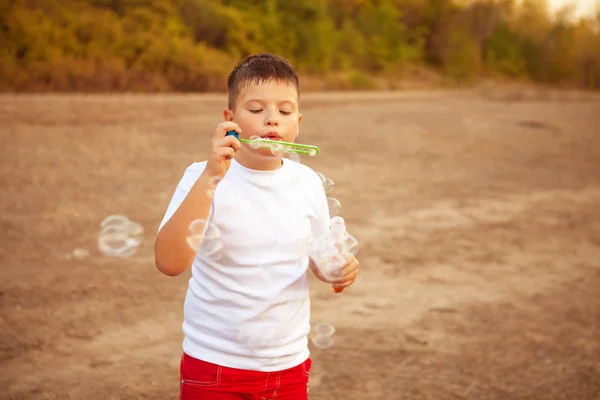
247,306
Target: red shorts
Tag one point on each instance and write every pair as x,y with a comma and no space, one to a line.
200,380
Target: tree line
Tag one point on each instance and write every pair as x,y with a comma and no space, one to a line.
191,45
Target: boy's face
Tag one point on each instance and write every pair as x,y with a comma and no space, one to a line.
268,110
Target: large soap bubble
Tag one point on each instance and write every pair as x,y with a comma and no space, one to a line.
119,236
204,237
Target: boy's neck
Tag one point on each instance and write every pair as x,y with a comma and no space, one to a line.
260,164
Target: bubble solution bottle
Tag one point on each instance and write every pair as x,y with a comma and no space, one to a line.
333,250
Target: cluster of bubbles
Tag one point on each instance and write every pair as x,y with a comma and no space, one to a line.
321,335
119,236
277,149
335,207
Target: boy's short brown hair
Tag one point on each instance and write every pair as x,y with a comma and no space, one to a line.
259,68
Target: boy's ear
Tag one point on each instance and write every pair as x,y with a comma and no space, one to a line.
299,120
228,114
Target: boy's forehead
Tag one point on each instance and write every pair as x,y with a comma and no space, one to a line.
268,90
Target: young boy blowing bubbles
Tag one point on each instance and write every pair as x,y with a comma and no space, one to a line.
247,309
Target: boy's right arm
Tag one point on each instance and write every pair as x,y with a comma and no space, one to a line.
171,252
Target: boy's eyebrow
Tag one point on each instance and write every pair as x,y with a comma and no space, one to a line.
290,102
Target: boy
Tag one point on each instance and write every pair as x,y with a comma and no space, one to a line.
247,309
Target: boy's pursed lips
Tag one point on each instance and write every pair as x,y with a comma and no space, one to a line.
271,136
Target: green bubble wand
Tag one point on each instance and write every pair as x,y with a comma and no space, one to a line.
285,146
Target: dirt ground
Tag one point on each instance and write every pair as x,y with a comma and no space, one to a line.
478,219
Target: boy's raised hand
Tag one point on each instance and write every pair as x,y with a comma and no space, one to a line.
223,149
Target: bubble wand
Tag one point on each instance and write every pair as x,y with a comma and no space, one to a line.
286,146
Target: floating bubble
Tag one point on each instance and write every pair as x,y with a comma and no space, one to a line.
255,145
134,230
119,237
212,232
194,241
293,156
351,245
113,222
211,242
323,328
335,207
322,341
117,245
327,183
111,229
204,237
197,227
276,149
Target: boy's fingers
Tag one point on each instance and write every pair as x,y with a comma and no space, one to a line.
350,267
345,284
347,278
348,273
225,127
226,153
229,141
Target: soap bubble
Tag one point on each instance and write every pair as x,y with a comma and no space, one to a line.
255,145
323,328
327,183
211,243
312,152
117,245
197,227
119,237
351,245
321,336
204,237
293,156
194,241
213,181
276,149
335,206
113,221
322,341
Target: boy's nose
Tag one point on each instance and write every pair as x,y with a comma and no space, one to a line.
271,122
271,118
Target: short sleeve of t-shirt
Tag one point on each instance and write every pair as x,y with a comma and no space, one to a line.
190,176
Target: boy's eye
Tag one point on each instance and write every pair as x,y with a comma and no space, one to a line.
285,112
255,111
